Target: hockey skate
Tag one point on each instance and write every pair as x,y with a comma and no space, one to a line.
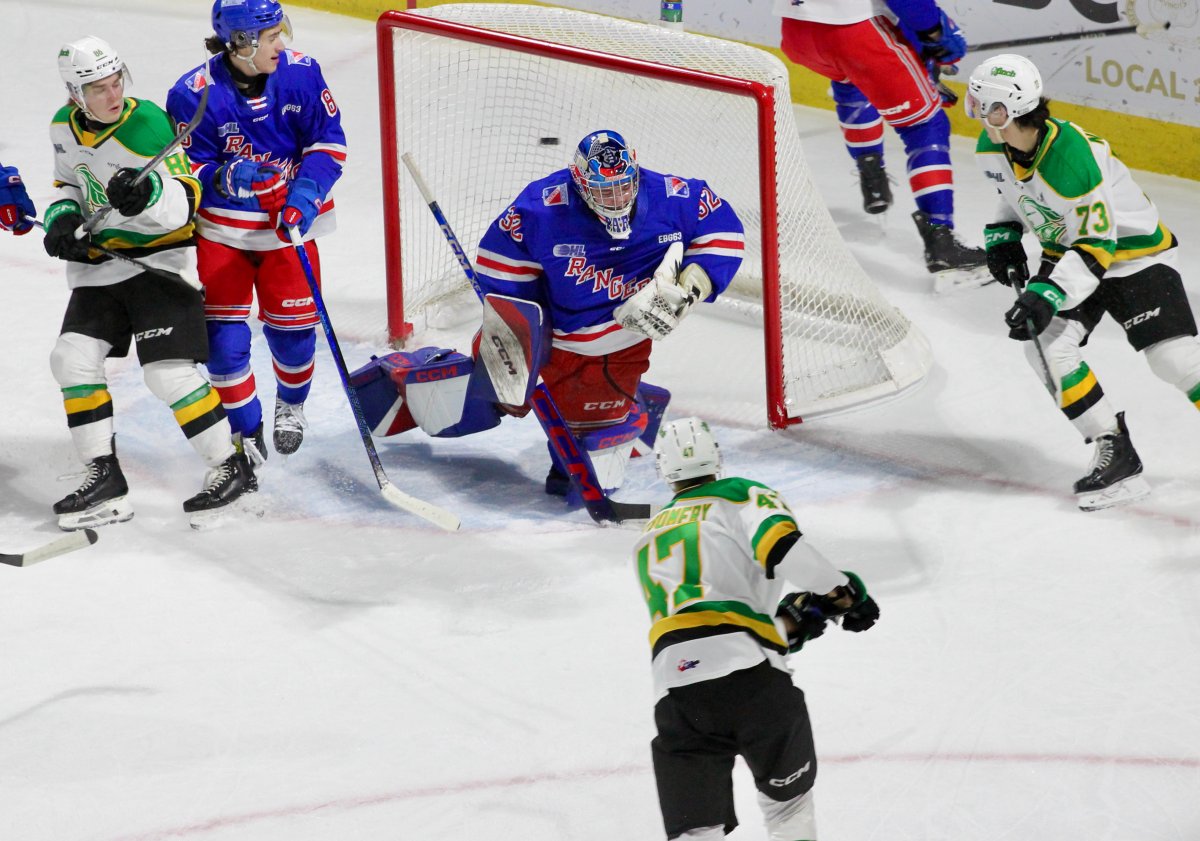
557,482
1114,477
224,485
253,445
100,500
873,179
952,264
289,427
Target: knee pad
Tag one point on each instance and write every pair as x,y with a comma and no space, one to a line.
78,360
1176,361
791,820
171,380
291,347
228,346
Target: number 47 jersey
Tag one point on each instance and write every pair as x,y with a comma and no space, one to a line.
712,566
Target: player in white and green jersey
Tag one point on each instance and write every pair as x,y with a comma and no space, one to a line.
1104,250
712,566
102,140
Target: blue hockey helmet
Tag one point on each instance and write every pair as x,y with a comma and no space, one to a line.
238,22
605,171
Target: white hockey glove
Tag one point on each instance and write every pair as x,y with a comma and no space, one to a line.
656,309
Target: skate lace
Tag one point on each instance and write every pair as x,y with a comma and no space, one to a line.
92,477
216,477
1103,456
290,417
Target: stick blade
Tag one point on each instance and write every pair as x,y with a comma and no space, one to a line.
440,517
68,543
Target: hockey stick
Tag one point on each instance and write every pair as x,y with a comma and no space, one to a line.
97,215
125,258
438,516
579,466
69,543
1142,29
440,218
1047,377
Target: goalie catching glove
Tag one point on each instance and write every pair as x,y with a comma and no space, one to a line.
805,614
656,309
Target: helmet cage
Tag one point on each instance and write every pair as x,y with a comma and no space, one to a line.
606,174
686,449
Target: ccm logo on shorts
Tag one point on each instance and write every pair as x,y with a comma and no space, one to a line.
295,302
791,778
152,334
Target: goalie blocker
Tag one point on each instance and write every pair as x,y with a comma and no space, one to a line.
448,395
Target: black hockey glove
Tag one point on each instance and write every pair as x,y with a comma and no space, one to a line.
62,219
1034,309
852,602
802,618
1005,254
128,199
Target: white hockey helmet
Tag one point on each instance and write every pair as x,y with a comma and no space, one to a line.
1007,80
686,449
89,59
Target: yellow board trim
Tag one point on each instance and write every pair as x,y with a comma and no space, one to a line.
1142,143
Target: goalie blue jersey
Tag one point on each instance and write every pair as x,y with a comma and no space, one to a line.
295,124
548,246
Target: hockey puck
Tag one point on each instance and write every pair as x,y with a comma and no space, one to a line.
548,141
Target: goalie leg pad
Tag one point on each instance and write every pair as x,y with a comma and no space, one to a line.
609,448
430,388
653,400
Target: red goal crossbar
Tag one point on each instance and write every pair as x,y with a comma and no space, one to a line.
764,99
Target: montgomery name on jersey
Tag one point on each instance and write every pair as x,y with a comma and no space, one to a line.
295,111
1083,205
547,247
85,161
713,618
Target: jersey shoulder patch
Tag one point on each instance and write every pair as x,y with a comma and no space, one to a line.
556,194
677,187
298,59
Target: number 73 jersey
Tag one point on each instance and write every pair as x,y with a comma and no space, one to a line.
712,566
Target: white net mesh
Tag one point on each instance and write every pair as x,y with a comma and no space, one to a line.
482,121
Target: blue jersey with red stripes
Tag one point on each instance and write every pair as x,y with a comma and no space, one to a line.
548,246
294,124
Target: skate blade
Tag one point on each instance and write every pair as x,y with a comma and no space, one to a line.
956,280
245,508
104,514
1124,492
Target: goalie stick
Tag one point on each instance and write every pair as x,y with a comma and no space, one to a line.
579,466
438,516
440,218
97,215
69,543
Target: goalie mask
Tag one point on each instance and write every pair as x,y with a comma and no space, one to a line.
239,22
686,449
1011,82
605,172
87,60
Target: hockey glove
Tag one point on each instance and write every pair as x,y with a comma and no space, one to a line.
129,199
1006,258
656,309
944,43
1034,309
865,612
802,618
62,219
303,204
15,204
245,182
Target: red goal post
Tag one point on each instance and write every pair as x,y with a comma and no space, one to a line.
488,97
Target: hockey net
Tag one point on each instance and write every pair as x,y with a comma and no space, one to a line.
488,97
